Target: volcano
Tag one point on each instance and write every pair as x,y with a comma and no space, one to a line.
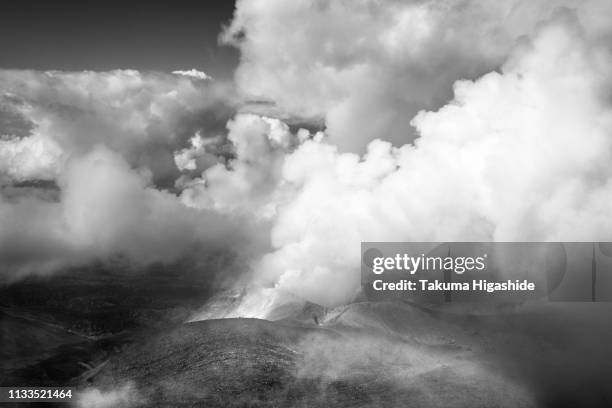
367,355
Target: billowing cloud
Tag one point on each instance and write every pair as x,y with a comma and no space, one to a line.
27,158
187,159
193,73
512,112
520,154
367,67
143,116
85,161
106,209
248,182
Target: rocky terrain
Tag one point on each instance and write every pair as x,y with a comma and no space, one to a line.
128,341
369,355
53,330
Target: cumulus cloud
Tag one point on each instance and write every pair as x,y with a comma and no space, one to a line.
249,181
193,73
202,153
27,158
510,102
520,154
87,169
144,116
106,209
367,67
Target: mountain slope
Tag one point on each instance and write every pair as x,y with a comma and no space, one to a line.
252,362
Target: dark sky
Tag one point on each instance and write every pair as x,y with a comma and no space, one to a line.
101,35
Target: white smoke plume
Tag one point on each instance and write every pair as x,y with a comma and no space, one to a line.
523,153
509,103
367,66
